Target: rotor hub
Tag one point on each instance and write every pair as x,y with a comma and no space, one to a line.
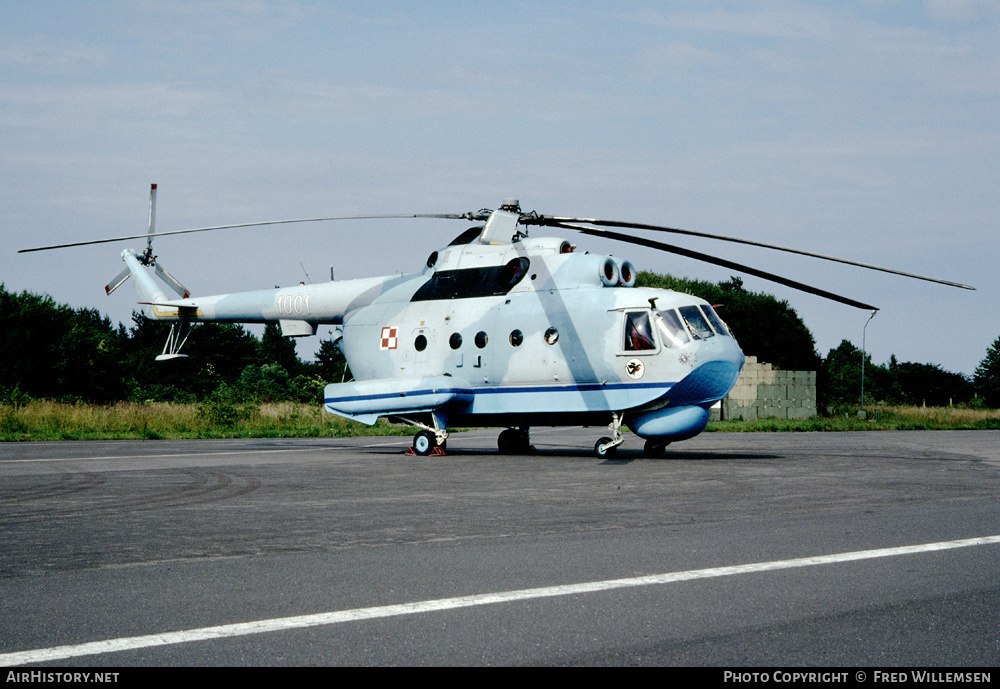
511,205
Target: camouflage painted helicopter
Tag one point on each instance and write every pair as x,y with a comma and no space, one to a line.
499,329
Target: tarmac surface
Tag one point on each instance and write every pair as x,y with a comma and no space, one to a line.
874,549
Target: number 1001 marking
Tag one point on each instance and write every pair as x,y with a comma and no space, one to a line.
293,306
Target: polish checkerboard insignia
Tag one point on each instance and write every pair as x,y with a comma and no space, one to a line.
389,338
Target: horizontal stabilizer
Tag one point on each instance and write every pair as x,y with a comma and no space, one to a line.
176,309
169,304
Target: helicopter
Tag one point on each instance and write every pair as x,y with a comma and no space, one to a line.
498,329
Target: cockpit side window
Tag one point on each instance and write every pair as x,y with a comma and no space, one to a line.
638,332
672,331
714,319
696,322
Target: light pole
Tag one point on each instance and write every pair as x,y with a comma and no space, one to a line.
864,334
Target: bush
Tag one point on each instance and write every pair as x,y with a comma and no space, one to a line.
223,408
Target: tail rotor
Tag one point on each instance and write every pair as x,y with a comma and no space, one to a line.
147,258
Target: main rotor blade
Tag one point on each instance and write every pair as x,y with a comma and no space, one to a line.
715,260
449,216
548,220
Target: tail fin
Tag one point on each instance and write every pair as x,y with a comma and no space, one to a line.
145,286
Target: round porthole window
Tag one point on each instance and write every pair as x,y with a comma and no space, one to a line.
420,344
551,336
481,339
455,341
516,338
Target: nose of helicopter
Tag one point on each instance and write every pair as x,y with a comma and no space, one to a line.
688,411
710,381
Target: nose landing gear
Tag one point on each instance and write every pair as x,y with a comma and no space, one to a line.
606,448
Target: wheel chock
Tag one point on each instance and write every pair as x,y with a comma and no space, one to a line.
438,451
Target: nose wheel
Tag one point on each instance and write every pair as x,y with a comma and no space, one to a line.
606,448
655,449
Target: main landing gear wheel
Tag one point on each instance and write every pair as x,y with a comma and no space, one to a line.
655,449
424,443
514,441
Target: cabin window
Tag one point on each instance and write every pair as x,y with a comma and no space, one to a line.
512,273
672,331
638,332
516,338
716,322
470,283
420,344
696,322
455,341
481,339
551,336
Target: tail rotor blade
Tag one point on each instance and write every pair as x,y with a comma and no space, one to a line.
172,282
152,218
117,281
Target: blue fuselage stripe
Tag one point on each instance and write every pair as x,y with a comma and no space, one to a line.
592,387
397,395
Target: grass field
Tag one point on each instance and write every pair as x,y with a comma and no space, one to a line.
44,420
877,418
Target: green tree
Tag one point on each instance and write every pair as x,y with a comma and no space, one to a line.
330,362
928,383
264,383
51,350
897,383
839,379
87,362
217,355
987,377
275,348
146,378
222,350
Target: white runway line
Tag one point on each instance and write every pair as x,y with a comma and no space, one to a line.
148,457
303,621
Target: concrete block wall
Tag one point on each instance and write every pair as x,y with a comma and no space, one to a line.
762,392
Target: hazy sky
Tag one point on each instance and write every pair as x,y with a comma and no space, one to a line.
864,129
